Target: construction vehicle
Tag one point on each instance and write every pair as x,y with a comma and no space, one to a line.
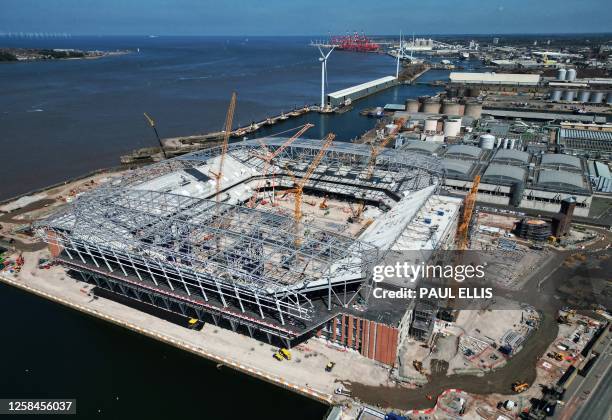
418,366
278,356
285,353
519,387
269,156
355,216
323,205
329,366
193,322
152,124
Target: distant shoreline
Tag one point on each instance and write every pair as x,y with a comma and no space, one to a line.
15,55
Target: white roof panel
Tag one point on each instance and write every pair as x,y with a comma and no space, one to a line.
348,91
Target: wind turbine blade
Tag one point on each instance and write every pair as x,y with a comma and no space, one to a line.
329,53
321,51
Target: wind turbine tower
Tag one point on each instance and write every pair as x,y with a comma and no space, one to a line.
399,52
323,60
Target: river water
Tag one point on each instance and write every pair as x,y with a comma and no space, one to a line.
63,118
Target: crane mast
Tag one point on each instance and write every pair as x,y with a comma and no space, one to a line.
468,209
269,156
229,118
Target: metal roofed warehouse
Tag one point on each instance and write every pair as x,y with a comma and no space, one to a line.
352,93
158,235
495,78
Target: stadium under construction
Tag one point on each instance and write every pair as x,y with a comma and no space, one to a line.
241,256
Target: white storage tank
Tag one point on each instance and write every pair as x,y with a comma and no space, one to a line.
486,141
569,95
390,128
505,143
571,75
512,143
555,95
498,143
584,96
452,126
561,74
597,97
431,124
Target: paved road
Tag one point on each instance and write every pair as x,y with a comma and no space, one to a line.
589,398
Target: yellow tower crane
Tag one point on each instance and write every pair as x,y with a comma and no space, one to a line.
229,118
269,156
376,149
468,208
299,188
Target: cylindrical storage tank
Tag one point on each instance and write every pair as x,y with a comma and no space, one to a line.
584,96
516,193
450,108
461,109
461,91
571,75
431,124
486,141
569,95
452,127
512,142
555,95
505,143
452,92
498,143
561,74
431,106
390,128
412,105
597,97
609,99
474,92
473,109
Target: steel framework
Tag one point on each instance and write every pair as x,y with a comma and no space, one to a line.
244,265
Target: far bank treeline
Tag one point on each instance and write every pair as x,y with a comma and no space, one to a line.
16,54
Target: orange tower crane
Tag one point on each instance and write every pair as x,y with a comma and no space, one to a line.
299,188
468,209
376,149
229,118
269,156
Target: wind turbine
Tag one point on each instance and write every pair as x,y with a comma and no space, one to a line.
399,52
323,60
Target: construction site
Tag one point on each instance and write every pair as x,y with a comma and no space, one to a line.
272,238
273,241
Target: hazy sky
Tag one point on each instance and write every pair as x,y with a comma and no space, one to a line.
303,17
